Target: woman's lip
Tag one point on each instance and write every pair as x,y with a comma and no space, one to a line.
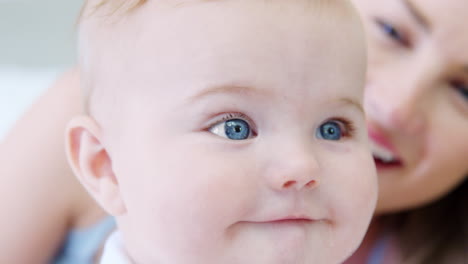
381,140
381,157
384,166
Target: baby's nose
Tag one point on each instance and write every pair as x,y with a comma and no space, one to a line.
294,172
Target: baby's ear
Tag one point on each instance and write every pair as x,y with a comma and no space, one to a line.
92,165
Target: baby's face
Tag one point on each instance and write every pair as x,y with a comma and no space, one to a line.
241,137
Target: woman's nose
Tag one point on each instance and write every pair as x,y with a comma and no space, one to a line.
400,95
398,107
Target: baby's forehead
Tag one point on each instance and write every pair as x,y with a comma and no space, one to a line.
179,35
107,25
112,7
111,12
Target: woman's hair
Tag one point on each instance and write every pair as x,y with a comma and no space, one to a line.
436,233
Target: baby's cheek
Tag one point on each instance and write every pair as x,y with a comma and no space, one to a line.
353,194
361,184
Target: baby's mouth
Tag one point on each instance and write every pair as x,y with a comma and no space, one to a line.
291,220
288,220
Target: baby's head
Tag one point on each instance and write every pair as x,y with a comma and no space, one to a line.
226,131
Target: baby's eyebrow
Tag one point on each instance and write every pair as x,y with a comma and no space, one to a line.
238,90
249,91
351,102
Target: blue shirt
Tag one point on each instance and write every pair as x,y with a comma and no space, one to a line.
81,245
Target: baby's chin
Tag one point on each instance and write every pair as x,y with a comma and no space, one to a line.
284,246
284,243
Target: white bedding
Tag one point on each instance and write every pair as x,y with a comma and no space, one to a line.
19,88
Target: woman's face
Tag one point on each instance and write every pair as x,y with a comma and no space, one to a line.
417,97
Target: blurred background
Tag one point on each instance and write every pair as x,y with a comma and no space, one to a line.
37,43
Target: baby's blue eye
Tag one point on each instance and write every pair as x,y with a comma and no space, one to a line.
235,129
330,130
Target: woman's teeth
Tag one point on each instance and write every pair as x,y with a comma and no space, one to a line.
382,154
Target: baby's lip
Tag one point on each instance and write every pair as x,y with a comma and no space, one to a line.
289,219
292,219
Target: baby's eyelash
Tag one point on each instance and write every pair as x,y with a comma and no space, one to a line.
228,116
348,127
233,115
